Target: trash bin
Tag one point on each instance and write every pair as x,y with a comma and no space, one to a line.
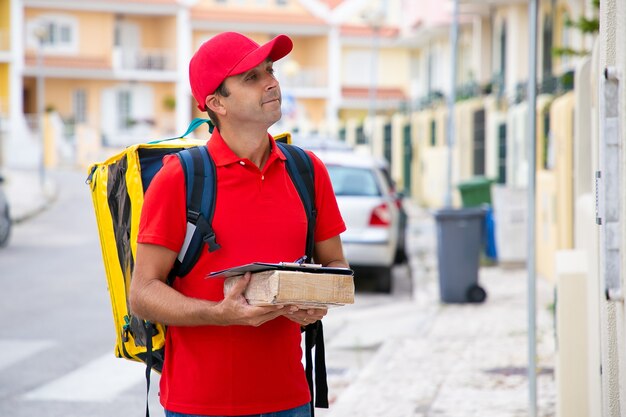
475,191
459,243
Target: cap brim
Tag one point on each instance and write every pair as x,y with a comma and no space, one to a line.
275,49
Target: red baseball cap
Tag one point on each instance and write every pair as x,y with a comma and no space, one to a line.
227,54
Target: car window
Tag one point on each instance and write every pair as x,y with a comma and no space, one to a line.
390,182
350,181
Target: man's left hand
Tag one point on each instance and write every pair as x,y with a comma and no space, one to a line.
307,316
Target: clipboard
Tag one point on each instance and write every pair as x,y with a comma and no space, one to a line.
281,266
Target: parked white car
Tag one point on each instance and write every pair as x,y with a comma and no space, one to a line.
369,207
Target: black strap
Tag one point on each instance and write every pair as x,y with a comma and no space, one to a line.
148,327
300,169
314,337
201,191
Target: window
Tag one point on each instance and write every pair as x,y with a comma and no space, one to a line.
358,68
547,45
79,105
348,181
57,33
124,108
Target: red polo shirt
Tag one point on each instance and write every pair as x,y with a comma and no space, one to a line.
236,370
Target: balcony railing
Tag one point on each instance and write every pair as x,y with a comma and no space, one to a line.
144,59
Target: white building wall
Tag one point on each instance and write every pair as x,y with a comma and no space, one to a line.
612,53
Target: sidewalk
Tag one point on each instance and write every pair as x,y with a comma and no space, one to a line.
26,192
464,359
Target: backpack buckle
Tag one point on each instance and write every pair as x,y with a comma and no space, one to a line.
211,242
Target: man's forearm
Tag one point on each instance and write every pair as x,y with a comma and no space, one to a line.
156,301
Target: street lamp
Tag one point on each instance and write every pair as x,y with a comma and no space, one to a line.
41,33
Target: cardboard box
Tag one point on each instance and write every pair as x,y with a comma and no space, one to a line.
304,289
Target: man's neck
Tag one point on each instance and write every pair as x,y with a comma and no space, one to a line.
252,145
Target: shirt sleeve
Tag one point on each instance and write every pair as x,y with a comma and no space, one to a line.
163,214
329,221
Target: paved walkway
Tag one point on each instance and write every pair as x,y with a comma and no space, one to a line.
456,360
468,360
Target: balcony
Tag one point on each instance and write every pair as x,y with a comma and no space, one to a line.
307,82
302,80
143,59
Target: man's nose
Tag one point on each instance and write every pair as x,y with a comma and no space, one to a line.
271,83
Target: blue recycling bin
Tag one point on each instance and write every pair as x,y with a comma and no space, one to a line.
459,244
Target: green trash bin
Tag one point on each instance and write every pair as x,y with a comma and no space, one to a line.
475,191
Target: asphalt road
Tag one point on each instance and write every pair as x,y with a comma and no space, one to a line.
56,331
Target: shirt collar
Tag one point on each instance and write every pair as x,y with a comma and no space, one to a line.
222,155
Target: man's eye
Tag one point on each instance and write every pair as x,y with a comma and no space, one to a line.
250,77
271,71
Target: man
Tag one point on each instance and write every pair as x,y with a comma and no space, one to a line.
223,356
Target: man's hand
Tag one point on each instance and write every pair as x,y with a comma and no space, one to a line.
306,316
235,310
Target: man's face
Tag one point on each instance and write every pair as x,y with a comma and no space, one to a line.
254,97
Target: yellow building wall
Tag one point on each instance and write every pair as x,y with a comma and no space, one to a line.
4,88
156,32
97,32
393,68
434,177
545,227
555,224
398,122
315,110
310,52
292,6
422,122
430,174
417,137
562,115
464,136
5,24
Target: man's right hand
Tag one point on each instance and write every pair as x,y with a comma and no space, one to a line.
235,310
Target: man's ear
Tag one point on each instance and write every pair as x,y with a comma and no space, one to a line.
214,103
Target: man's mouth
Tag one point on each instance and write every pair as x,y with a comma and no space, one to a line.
272,100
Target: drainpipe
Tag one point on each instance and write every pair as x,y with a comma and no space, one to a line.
334,80
16,68
532,144
454,36
183,54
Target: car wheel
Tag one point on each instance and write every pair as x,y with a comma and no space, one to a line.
383,280
400,257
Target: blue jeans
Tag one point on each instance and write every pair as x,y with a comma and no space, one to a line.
302,411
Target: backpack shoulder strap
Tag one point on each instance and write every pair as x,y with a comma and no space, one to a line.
201,189
300,169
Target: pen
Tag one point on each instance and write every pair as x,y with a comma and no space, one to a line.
300,260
